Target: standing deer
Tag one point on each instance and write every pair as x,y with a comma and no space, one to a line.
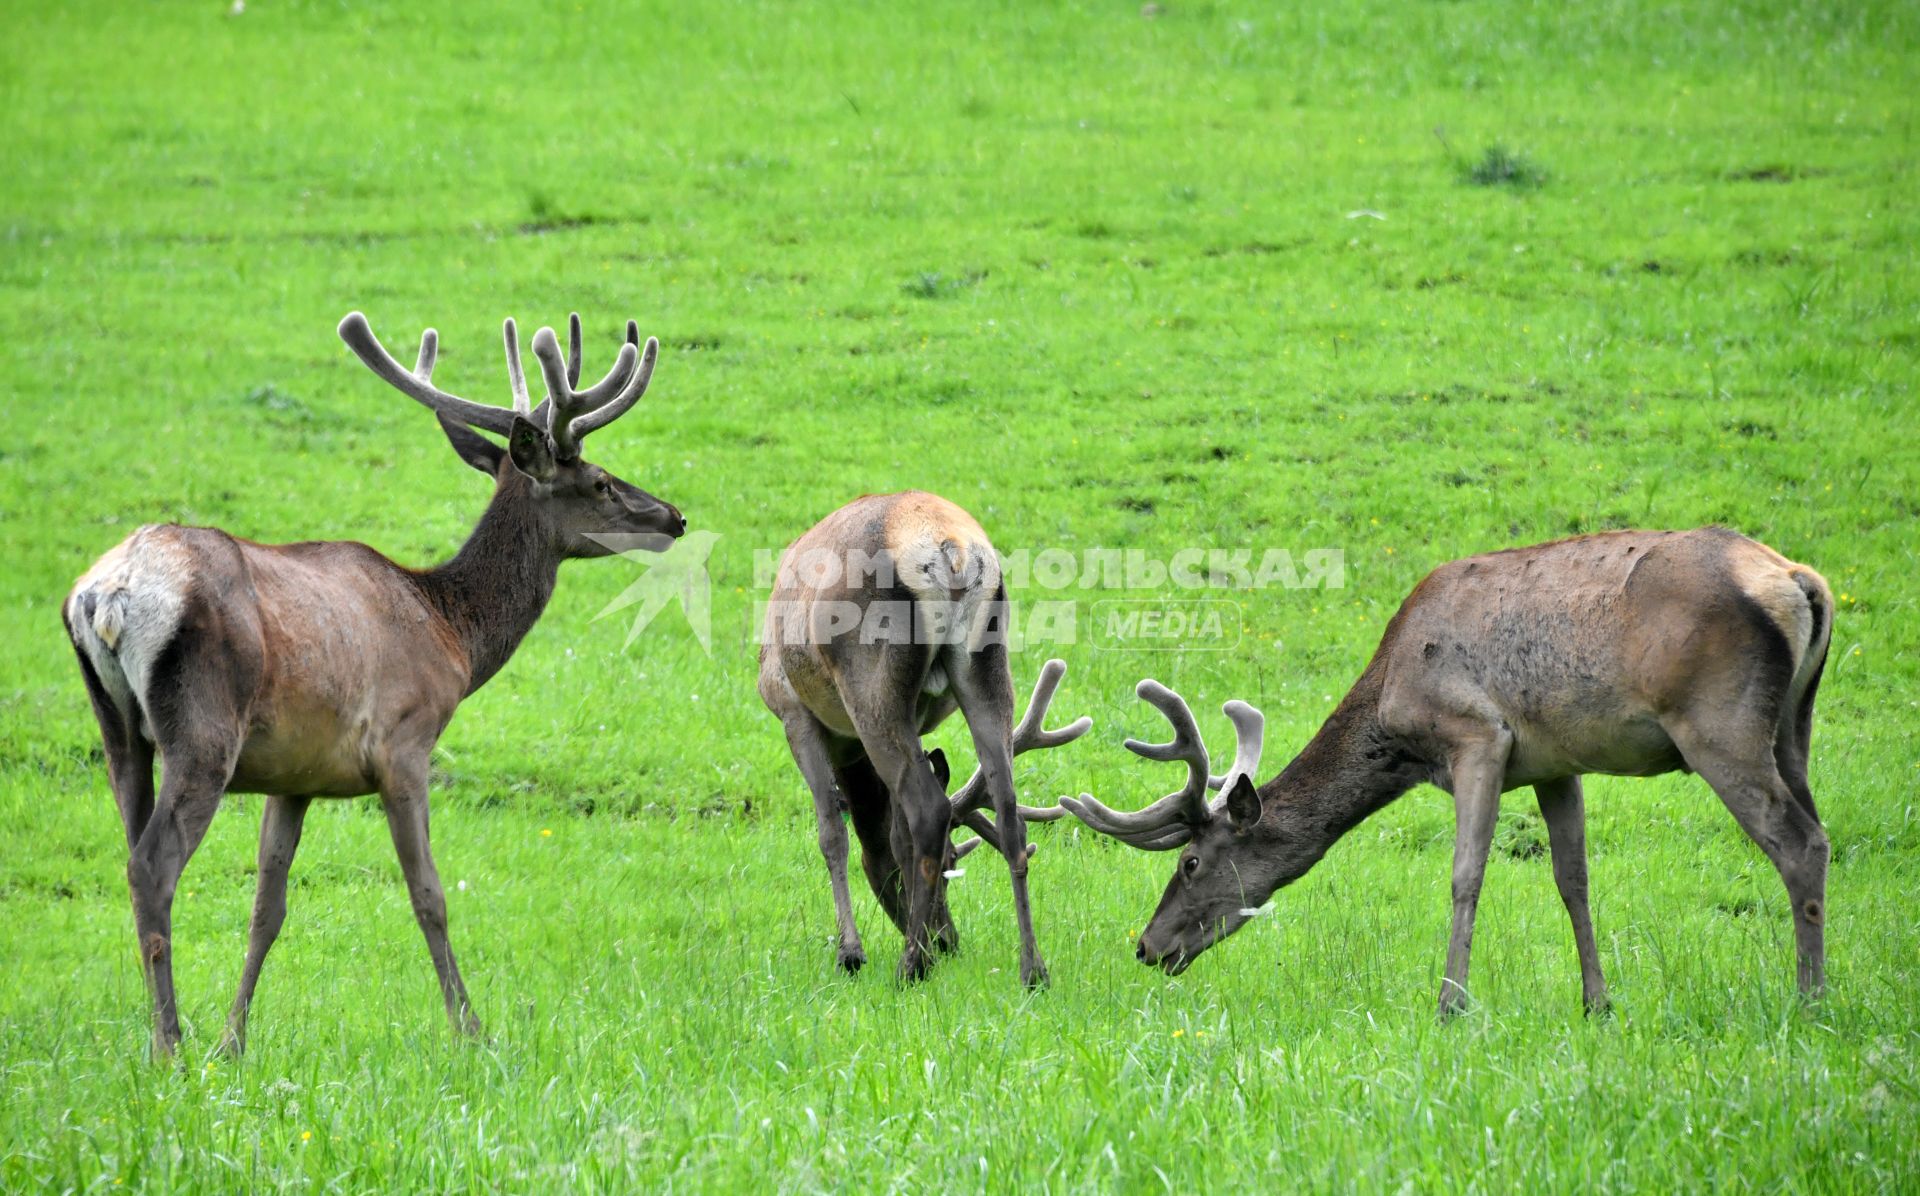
885,618
325,669
1630,653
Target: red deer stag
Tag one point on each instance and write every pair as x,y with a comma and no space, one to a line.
885,618
326,670
1629,653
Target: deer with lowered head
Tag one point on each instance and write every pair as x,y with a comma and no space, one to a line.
884,619
326,670
1630,653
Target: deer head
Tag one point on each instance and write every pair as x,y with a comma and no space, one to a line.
571,498
1227,863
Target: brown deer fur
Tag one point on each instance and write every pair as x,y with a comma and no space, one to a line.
885,618
1630,653
325,669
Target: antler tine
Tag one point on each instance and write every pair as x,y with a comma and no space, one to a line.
1170,821
604,392
516,376
423,362
984,832
1249,736
573,348
1152,829
620,404
580,402
1175,838
1028,736
359,337
553,372
1187,746
1027,813
564,406
560,405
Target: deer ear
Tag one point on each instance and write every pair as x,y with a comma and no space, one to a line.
532,450
941,773
1243,803
476,450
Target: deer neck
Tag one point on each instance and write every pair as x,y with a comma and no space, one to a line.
494,589
1350,769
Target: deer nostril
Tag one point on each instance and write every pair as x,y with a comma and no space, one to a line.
1140,951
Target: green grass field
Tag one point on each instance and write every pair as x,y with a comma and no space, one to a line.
1217,276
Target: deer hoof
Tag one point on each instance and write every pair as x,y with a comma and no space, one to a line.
1034,976
914,966
852,959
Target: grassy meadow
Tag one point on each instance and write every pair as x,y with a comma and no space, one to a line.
1404,279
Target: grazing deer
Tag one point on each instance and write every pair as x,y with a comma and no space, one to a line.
326,670
884,619
1630,653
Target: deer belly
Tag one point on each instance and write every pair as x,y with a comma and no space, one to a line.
1631,748
319,758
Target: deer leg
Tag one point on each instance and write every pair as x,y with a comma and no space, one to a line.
1478,770
405,799
921,819
879,700
1791,745
941,931
191,785
129,755
810,752
130,770
870,810
1564,809
1744,774
874,826
130,773
986,698
279,838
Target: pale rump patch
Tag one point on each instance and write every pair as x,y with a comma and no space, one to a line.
938,549
124,611
1770,580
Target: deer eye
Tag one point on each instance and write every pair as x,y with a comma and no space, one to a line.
600,486
1190,865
